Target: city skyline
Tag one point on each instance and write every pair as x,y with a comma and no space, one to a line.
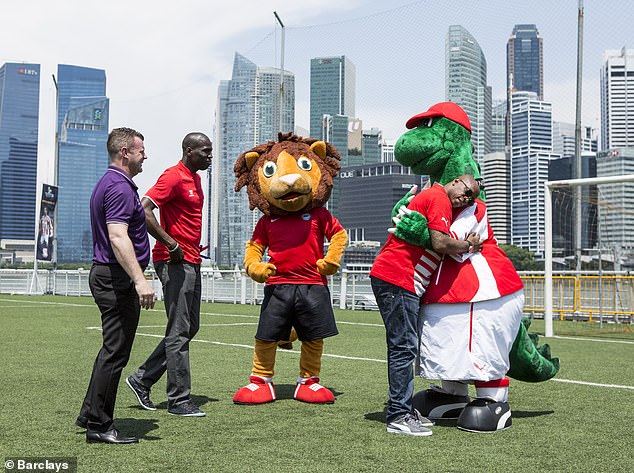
83,112
165,83
19,110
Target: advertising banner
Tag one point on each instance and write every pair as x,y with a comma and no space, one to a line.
46,227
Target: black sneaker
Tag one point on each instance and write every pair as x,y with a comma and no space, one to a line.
186,409
141,392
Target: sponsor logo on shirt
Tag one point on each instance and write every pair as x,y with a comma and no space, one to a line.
305,216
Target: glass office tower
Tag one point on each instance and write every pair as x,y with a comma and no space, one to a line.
531,151
19,115
466,85
525,60
617,99
247,114
82,121
332,91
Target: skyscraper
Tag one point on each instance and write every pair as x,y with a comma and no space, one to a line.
531,151
616,201
466,85
525,61
82,121
332,90
19,115
371,147
498,126
247,114
617,99
496,175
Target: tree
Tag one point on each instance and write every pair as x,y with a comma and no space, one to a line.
522,259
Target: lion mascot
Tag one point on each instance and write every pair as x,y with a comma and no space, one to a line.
289,181
471,330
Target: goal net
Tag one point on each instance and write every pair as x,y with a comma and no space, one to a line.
590,254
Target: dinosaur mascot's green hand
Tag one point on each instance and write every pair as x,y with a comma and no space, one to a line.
404,201
530,362
412,228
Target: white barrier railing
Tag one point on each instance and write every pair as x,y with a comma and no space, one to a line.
229,286
351,290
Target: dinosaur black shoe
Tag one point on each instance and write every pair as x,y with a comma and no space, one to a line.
484,416
437,405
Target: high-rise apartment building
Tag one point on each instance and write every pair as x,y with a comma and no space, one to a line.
498,126
332,90
617,99
19,115
371,146
524,66
531,151
616,201
82,121
525,61
247,114
563,202
496,175
466,85
564,140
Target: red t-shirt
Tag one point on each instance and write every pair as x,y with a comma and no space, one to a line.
473,277
295,244
409,266
179,196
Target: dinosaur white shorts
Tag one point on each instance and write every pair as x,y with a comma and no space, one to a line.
469,341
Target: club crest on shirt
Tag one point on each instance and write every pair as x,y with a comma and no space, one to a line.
191,192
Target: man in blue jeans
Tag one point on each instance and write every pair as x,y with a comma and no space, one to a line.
399,276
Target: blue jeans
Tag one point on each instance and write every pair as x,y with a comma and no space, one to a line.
399,310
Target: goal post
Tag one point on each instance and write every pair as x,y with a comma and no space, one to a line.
548,235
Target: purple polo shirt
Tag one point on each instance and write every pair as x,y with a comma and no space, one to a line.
115,200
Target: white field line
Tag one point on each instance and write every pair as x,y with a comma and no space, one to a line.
355,358
201,325
594,340
586,383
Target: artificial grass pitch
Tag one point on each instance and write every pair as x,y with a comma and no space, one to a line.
49,345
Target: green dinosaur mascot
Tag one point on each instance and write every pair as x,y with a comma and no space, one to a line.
472,330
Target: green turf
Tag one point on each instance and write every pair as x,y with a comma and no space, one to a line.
47,354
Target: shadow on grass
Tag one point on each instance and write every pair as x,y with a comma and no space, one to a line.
138,427
286,391
377,416
198,400
381,417
521,414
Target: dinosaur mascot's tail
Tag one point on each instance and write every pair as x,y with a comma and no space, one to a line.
529,361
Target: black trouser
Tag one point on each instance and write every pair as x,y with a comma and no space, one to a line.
118,303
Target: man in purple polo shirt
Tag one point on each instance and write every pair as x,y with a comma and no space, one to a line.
121,253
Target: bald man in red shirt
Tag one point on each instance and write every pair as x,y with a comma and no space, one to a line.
178,195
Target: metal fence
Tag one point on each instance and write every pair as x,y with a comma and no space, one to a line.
577,297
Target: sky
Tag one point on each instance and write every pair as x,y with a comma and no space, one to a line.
164,61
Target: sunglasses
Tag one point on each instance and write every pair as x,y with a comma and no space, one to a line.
467,190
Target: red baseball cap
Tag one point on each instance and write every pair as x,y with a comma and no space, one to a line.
450,110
